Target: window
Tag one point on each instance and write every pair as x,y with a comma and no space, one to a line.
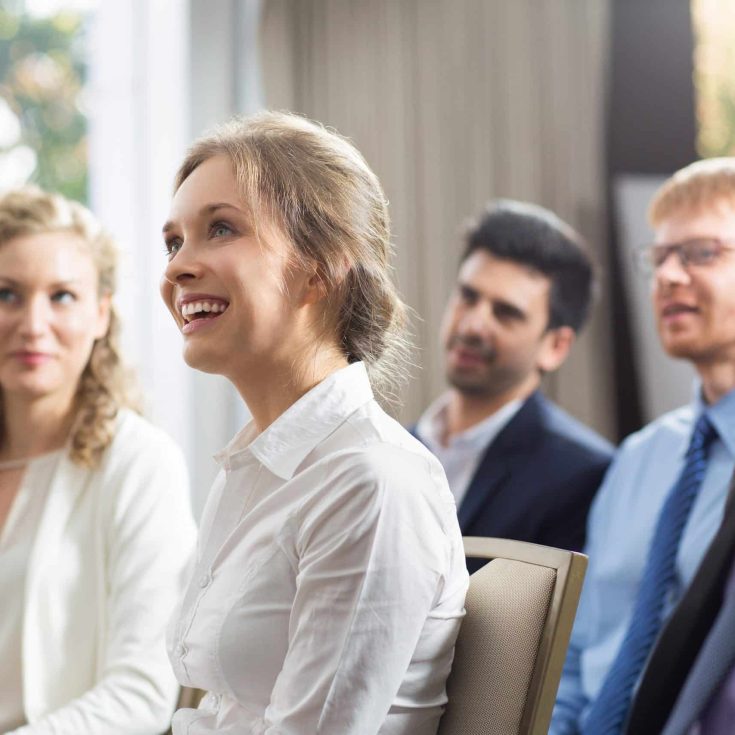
714,76
43,126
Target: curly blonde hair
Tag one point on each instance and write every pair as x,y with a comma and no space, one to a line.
319,190
105,385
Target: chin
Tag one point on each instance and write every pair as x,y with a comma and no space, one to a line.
203,361
30,389
682,350
468,385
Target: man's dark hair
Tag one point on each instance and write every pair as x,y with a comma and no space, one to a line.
536,238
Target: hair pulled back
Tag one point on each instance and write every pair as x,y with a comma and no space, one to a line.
318,189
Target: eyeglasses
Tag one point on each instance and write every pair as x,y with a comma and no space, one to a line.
699,252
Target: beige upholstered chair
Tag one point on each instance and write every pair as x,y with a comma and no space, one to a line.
512,644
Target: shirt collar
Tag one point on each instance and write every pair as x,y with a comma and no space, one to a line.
721,414
431,427
284,445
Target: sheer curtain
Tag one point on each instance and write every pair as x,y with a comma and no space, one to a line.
150,93
454,102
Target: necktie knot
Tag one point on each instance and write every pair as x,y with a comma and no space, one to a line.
703,435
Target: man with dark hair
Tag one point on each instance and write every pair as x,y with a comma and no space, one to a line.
519,466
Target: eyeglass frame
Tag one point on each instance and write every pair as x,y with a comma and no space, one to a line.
648,265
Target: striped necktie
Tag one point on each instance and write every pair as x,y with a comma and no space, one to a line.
608,712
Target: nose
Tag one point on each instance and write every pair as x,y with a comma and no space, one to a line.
34,317
182,267
476,320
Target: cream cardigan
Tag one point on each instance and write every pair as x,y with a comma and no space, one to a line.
107,567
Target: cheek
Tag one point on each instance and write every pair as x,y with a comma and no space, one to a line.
449,323
77,328
166,290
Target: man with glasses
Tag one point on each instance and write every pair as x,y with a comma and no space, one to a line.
662,499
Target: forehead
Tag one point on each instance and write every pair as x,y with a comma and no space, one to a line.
717,220
499,278
213,181
46,257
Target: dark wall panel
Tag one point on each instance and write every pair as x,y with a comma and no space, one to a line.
651,129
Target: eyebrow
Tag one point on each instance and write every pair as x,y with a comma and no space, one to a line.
204,211
516,310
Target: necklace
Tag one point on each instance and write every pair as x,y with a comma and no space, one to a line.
14,464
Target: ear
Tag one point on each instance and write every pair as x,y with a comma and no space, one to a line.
315,287
104,306
555,347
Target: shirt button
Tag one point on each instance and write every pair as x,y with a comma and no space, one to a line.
180,651
204,580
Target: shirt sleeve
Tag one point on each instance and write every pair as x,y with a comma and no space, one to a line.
572,700
150,536
372,563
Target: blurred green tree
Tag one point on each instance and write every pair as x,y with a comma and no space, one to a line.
43,128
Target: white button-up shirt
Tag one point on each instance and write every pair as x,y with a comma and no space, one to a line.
330,577
461,455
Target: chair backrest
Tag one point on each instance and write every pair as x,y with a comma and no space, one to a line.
513,640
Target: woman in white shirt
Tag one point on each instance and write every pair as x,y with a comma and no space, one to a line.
330,576
95,526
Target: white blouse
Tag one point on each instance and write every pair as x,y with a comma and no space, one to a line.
330,578
16,542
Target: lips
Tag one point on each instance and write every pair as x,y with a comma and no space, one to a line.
470,357
30,358
676,309
200,307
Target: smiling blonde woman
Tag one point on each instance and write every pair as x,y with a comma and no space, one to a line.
330,579
95,527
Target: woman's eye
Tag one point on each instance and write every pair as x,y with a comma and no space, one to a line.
63,297
220,229
7,295
172,247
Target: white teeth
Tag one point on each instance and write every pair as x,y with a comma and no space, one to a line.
194,307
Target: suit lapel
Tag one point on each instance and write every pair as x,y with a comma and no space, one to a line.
712,666
497,463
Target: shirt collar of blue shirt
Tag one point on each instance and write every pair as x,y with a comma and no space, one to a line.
721,414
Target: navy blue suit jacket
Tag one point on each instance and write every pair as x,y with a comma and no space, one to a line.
537,479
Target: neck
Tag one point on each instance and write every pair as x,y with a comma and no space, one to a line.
36,426
466,410
718,379
269,393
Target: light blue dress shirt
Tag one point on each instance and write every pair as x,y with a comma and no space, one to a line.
620,529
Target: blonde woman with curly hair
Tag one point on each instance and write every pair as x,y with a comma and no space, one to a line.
95,526
330,575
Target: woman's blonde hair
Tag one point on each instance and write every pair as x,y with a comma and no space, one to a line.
104,386
700,185
319,190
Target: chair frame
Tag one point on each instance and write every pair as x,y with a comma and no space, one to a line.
570,570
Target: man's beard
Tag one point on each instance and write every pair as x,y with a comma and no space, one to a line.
473,384
493,380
